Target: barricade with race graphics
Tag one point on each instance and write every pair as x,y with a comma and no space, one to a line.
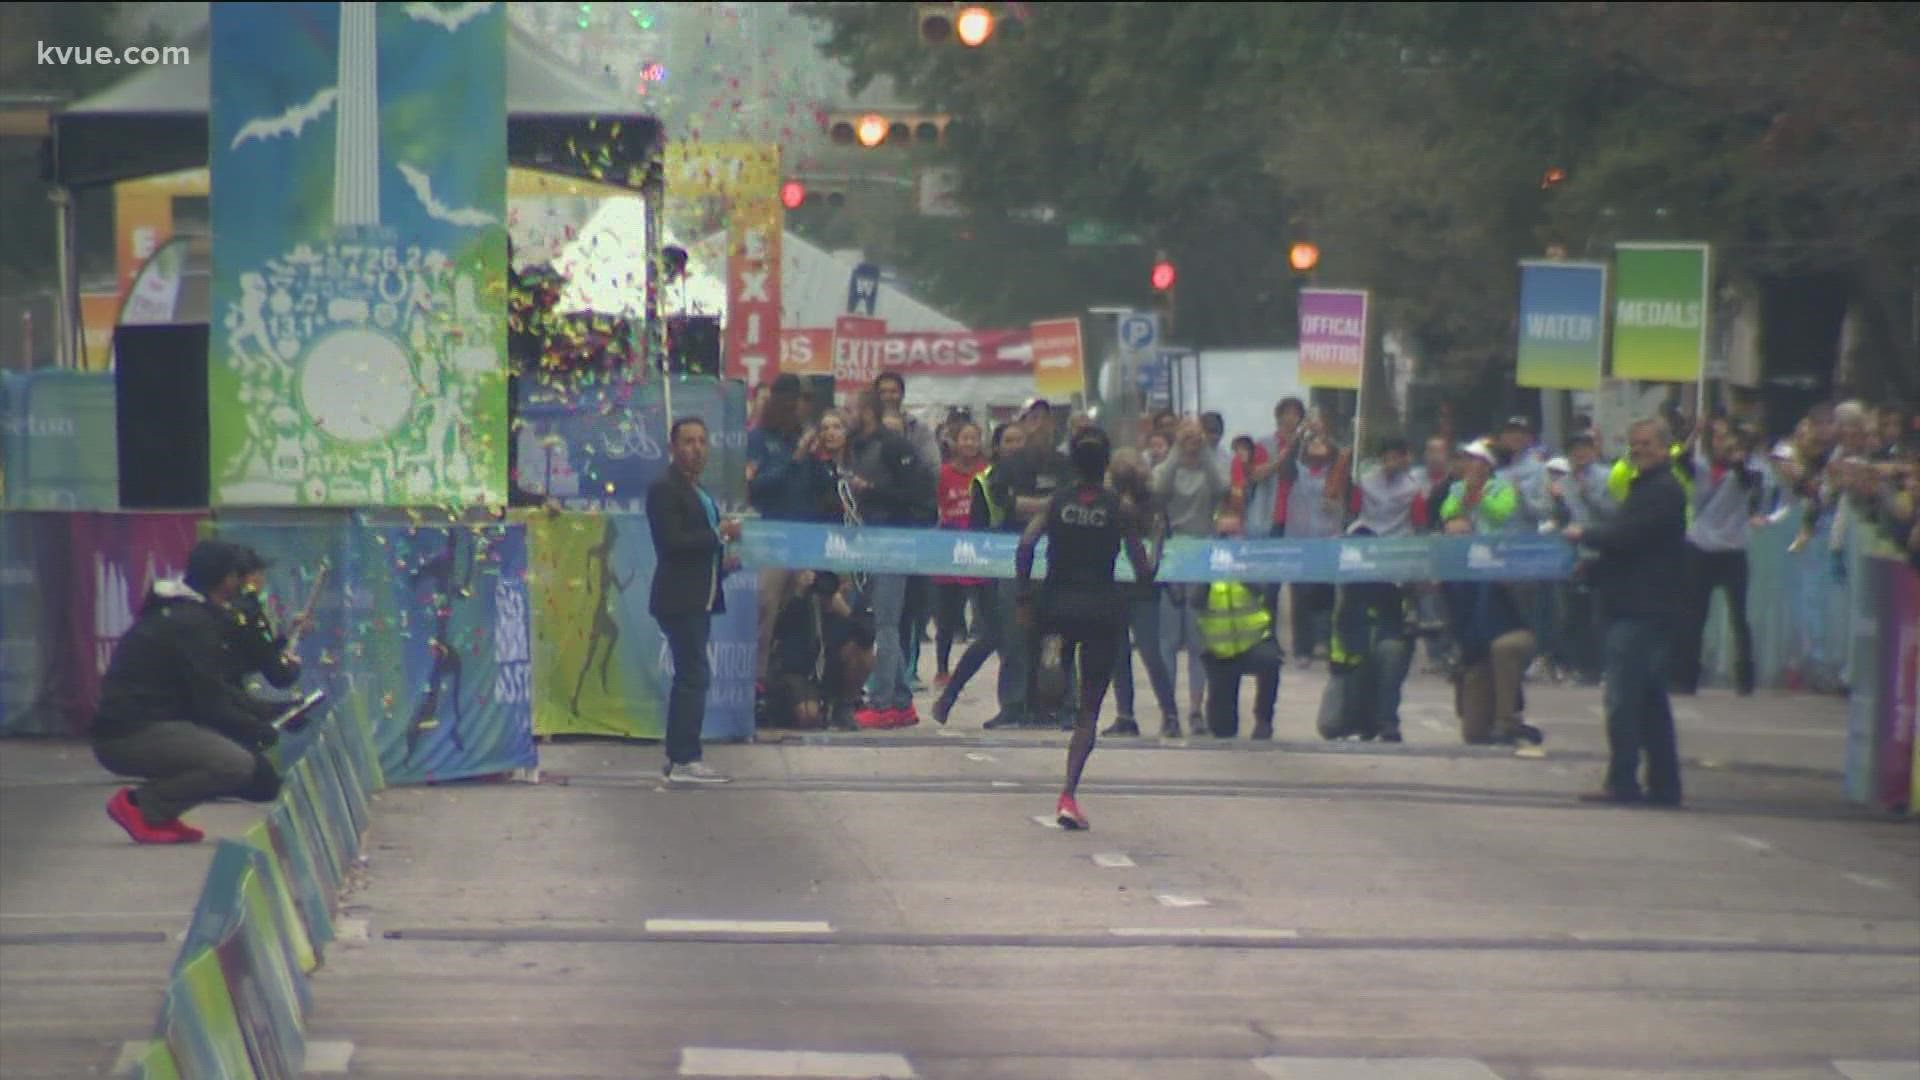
238,998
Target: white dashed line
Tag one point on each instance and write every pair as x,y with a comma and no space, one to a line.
736,926
1045,822
1615,938
1298,1068
1869,882
1251,932
1435,725
1180,900
1112,860
1878,1070
1752,842
328,1057
709,1061
1002,783
351,930
976,756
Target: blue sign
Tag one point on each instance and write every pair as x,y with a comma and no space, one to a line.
1137,332
1520,557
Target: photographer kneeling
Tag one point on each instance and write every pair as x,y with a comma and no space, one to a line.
823,651
168,713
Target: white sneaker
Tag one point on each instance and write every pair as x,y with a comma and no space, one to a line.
697,772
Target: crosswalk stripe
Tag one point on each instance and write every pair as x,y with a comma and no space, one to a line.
1300,1068
736,926
713,1061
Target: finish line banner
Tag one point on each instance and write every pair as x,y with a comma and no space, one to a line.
800,546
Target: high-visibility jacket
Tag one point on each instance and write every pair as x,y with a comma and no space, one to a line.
1620,478
1363,616
1234,620
983,497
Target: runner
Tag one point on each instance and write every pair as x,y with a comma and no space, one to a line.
1081,607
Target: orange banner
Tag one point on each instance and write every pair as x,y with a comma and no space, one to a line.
1059,364
806,352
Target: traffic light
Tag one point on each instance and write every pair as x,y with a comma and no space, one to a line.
875,129
792,194
798,194
1163,277
971,24
974,25
936,22
1303,257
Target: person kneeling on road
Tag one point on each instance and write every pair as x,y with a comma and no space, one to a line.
1236,635
168,713
1369,656
1495,648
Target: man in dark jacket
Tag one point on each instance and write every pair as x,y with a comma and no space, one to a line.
168,713
689,540
1640,578
890,488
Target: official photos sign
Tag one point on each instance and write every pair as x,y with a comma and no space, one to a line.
1563,325
1333,338
1660,311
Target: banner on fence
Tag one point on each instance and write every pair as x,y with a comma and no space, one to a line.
59,440
442,638
601,445
98,568
601,663
359,174
1898,588
1563,325
1660,311
199,1023
932,551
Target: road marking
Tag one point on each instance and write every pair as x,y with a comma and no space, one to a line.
1753,842
709,1061
1261,933
1180,900
735,926
1434,725
330,1057
1878,1070
1616,938
351,930
1002,783
1112,860
976,756
65,915
1869,882
1298,1068
1046,822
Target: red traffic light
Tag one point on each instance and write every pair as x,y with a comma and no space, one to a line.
1164,276
1303,256
792,194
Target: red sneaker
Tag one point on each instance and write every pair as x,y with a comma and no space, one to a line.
906,717
1070,816
125,814
873,719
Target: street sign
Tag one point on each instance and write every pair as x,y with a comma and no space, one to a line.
1137,332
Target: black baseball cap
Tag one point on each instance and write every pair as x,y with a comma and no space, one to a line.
1517,423
212,562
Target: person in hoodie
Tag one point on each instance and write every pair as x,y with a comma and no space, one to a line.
890,488
170,715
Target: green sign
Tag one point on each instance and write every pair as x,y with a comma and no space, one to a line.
1098,234
1660,312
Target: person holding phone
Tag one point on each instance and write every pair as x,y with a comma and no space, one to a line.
690,540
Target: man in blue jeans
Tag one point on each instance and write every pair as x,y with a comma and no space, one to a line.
690,541
1640,578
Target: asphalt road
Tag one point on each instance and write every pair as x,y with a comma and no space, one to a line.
888,906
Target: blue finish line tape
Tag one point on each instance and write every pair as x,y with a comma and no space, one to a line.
874,550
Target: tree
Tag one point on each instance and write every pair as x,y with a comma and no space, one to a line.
1411,142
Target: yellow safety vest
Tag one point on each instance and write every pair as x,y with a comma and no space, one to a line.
995,512
1620,478
1235,620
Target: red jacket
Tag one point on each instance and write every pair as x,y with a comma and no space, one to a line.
956,506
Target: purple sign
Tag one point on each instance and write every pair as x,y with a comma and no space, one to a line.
1333,337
